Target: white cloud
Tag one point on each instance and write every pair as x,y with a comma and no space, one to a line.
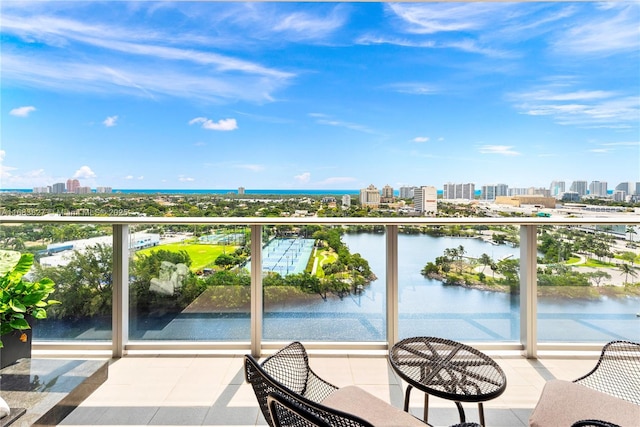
421,139
110,121
303,178
251,167
2,154
221,125
323,119
605,34
22,111
504,150
84,172
579,107
415,88
183,178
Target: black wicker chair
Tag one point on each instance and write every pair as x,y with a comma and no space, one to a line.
617,372
288,376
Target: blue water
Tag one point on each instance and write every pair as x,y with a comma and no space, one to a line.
426,307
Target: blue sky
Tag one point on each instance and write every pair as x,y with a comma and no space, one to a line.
145,94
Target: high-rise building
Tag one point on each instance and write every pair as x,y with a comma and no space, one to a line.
598,188
579,187
619,195
631,188
425,200
407,192
83,190
502,190
58,188
104,190
346,201
488,192
240,190
459,191
557,188
370,197
72,185
41,189
387,194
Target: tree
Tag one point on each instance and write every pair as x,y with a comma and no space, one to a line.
485,260
598,276
628,270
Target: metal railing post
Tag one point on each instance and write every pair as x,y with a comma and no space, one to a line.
256,290
120,290
529,290
392,284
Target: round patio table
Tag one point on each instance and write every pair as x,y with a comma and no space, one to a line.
447,369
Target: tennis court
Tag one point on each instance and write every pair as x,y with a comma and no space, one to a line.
286,256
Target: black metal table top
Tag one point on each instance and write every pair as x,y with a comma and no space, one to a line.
447,369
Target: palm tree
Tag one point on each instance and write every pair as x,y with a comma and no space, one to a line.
628,270
485,260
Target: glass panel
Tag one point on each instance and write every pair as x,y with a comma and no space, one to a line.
588,284
459,283
318,285
78,258
191,285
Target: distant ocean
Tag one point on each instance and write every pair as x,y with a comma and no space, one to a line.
290,192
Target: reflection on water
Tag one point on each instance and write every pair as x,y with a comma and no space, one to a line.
426,307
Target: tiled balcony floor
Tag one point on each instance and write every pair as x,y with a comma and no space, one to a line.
210,390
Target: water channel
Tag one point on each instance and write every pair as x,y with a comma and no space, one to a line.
426,307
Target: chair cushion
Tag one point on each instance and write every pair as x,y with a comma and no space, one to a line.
562,403
356,401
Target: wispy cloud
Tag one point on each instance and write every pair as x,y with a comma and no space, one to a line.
324,119
154,65
183,178
22,111
131,177
303,178
588,108
415,88
251,167
110,121
615,31
221,125
503,150
421,139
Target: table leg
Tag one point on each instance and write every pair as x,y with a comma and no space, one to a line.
426,408
461,412
481,413
407,394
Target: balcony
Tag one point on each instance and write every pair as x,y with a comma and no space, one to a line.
384,314
191,379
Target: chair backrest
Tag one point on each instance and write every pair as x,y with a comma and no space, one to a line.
265,385
617,372
288,412
593,423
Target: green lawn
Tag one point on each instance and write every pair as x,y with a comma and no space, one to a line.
595,263
201,255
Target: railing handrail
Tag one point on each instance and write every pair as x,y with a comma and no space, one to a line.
631,219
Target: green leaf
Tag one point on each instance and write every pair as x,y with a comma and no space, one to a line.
19,324
39,313
17,306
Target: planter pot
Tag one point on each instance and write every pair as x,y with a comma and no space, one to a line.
14,348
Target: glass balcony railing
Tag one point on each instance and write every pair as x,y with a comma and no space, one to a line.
528,284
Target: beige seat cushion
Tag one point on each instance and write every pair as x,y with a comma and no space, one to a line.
356,401
562,403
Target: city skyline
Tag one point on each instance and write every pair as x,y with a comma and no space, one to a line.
199,95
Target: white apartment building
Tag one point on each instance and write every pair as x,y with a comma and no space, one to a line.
425,200
104,190
579,187
557,188
407,192
370,197
346,201
598,188
387,194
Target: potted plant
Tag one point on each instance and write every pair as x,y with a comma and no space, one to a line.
20,302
